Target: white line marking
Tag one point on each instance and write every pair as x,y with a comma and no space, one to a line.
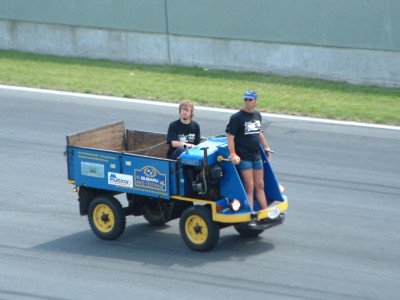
224,110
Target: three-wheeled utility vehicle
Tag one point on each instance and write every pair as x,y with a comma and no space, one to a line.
202,187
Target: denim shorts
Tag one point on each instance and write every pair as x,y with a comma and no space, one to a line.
247,165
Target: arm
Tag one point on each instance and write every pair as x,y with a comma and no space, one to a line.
265,144
177,144
231,147
197,139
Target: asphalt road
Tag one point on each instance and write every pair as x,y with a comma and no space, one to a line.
340,240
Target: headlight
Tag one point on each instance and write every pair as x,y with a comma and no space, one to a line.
235,205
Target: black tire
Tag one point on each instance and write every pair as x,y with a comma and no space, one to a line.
158,213
198,230
106,217
248,233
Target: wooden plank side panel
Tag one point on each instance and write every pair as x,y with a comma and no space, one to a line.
108,137
147,143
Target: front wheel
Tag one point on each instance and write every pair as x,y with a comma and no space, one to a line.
198,230
247,232
106,217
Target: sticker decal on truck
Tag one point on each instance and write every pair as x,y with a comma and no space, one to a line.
92,169
120,179
150,178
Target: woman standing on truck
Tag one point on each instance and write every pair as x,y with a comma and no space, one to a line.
183,132
244,138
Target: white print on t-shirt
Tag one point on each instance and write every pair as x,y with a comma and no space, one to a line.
187,138
252,127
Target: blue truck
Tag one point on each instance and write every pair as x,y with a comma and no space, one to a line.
202,187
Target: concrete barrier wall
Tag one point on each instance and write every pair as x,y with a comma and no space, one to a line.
356,41
84,42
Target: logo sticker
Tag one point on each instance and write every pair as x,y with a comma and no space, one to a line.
120,179
150,178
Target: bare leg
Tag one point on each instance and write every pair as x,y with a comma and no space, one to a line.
259,188
248,182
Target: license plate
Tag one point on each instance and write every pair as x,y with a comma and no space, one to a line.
273,213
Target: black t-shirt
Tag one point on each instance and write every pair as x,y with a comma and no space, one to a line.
187,133
246,128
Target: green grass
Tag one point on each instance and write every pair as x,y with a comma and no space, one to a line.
287,95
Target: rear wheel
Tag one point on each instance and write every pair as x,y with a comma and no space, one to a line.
158,213
198,230
106,217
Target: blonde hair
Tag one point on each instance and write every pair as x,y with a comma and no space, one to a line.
187,104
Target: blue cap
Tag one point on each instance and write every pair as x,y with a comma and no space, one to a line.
250,95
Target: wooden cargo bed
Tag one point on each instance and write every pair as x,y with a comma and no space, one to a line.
114,137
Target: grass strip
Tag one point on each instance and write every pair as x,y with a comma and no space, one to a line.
286,95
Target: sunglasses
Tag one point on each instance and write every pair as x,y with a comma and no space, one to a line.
246,99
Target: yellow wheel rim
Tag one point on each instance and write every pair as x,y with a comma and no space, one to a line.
196,229
103,218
